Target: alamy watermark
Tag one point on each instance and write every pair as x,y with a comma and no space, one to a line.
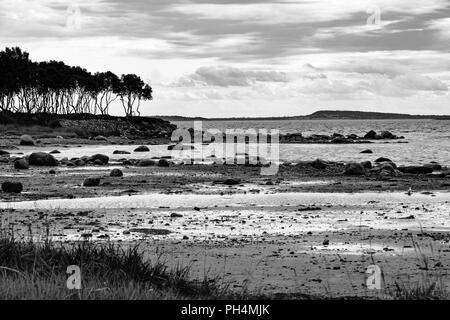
374,18
74,17
252,147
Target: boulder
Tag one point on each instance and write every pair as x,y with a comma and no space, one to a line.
163,163
367,164
387,135
434,165
232,182
319,164
370,135
116,173
55,152
383,160
26,140
121,152
416,169
99,158
42,159
91,182
142,149
368,151
146,163
12,187
354,169
21,164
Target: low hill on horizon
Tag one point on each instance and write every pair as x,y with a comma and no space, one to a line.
320,115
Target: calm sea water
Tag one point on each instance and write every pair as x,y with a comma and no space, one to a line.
428,140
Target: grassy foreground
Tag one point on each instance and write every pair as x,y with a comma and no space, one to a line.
38,271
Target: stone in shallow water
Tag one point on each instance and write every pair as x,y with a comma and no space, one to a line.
152,232
12,187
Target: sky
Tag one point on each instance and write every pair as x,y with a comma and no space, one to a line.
230,58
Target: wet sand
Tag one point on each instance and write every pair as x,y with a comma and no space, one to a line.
303,231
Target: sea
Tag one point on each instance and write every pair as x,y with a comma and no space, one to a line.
427,140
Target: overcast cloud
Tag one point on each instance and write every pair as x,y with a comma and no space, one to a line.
253,58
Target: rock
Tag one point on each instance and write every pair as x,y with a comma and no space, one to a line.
387,135
52,172
354,169
91,182
367,164
416,169
12,187
101,157
352,136
370,135
146,163
180,147
163,163
368,151
100,138
121,152
42,159
339,140
383,160
26,140
55,152
434,165
98,162
176,215
116,173
4,153
326,242
21,164
232,182
319,164
142,149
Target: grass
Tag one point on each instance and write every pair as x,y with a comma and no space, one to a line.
30,270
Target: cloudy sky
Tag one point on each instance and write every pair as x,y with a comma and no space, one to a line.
251,58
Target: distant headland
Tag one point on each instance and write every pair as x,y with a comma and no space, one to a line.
321,115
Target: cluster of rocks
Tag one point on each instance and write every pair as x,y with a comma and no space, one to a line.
338,138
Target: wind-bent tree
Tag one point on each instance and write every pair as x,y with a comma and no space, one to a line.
131,91
54,87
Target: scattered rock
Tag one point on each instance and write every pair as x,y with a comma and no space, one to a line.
21,164
91,182
416,169
146,163
26,140
367,164
142,149
383,160
319,164
101,157
370,135
42,159
232,182
121,152
354,169
12,187
163,163
116,173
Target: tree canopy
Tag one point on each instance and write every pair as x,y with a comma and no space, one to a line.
54,87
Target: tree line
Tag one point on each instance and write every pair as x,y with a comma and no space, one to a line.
54,87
